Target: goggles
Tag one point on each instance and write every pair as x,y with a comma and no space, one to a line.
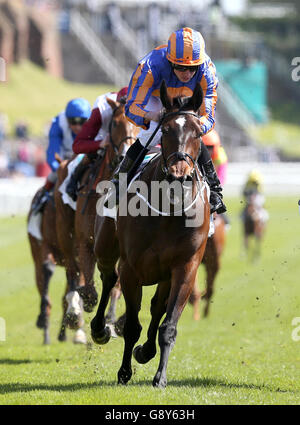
76,121
183,68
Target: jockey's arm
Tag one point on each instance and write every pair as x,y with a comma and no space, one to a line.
140,89
209,83
55,142
85,140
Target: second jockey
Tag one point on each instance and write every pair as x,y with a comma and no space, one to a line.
218,155
93,136
181,64
64,128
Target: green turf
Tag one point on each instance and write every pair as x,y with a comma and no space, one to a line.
242,354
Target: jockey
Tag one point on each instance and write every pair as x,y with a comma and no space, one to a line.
62,132
253,193
93,136
217,152
253,184
218,155
181,64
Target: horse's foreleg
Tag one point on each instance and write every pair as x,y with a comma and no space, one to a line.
87,263
100,332
114,296
195,301
62,333
181,288
132,292
144,353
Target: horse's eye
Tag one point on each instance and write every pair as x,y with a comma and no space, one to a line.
165,130
113,124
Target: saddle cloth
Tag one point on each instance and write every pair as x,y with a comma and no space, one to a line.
62,188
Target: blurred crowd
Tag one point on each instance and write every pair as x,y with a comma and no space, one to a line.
20,154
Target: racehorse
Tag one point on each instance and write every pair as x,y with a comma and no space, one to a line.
46,254
254,219
76,228
158,249
211,260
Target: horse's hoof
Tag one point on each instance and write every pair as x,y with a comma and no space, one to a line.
62,337
41,322
140,357
138,354
80,337
89,296
159,382
101,337
73,321
124,376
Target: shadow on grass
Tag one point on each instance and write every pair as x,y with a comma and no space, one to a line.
192,382
16,387
208,382
22,361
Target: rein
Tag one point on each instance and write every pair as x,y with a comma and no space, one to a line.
181,156
113,144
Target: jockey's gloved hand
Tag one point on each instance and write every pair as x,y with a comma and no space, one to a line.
154,115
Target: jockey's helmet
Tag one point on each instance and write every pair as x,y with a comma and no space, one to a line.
78,108
186,47
255,177
122,93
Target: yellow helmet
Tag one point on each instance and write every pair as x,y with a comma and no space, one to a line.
255,176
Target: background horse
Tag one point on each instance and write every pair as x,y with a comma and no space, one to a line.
46,254
211,261
158,249
254,219
76,228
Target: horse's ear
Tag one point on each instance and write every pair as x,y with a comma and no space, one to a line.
197,98
112,103
164,97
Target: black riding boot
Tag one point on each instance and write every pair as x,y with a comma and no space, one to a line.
72,186
132,160
205,162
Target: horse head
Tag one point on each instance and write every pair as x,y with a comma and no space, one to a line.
181,134
122,132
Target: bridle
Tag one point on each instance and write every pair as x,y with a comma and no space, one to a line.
116,147
178,156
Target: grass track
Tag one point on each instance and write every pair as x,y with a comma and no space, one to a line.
242,354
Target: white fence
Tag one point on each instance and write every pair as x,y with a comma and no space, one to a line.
279,179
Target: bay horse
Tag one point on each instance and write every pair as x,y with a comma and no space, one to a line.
254,218
46,255
212,262
76,228
158,248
